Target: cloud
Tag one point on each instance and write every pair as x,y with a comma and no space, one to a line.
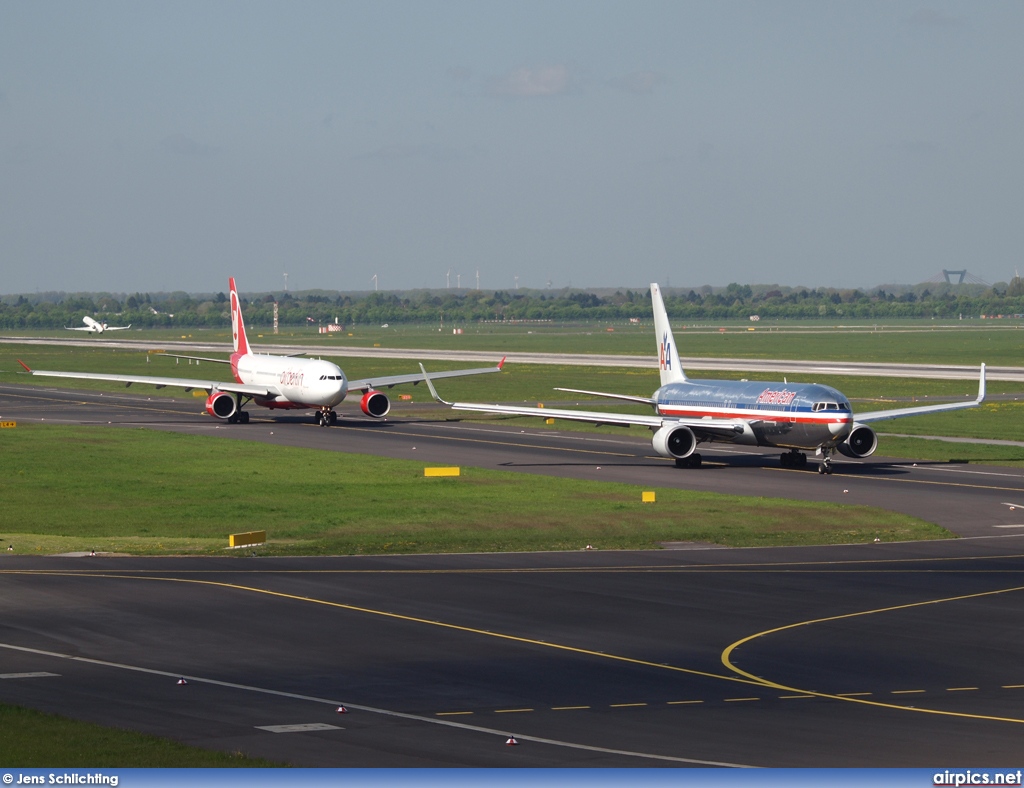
180,145
930,19
460,74
639,82
400,152
528,82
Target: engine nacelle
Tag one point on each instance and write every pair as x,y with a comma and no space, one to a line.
861,442
375,404
677,442
221,405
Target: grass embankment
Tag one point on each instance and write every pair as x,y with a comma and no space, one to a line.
32,739
136,491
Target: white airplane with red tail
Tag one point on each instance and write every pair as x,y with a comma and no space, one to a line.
276,382
96,326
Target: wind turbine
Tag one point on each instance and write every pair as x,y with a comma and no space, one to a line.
448,279
374,280
477,278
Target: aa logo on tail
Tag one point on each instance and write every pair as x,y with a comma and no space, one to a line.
665,352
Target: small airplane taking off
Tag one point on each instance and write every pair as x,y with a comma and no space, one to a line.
275,382
795,416
96,327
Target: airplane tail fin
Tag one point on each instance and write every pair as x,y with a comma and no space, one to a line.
237,324
668,355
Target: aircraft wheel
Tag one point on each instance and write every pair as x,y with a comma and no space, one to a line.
784,460
243,417
802,463
695,460
233,418
821,469
332,418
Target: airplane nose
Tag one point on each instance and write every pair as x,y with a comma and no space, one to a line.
840,428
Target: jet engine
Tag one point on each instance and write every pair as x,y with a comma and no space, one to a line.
221,405
375,404
677,442
861,442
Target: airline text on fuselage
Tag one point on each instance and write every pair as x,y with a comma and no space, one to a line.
769,397
290,377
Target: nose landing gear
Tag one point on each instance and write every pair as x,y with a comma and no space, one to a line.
326,418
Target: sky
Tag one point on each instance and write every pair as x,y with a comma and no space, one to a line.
157,146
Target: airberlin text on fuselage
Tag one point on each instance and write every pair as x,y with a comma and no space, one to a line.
290,377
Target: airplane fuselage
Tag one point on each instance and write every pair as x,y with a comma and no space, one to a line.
786,415
297,382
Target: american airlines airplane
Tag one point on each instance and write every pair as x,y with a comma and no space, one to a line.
96,327
795,416
276,382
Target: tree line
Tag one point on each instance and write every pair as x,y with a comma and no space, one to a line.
733,302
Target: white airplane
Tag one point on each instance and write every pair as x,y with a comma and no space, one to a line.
795,416
276,382
96,327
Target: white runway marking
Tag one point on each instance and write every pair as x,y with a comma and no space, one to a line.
300,728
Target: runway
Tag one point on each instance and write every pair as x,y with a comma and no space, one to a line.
860,655
775,366
887,655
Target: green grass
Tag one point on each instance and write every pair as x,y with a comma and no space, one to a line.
135,491
33,739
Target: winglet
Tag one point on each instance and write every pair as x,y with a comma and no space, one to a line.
981,385
500,363
430,385
23,364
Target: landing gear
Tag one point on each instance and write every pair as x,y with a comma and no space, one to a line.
693,461
793,459
241,417
825,466
326,418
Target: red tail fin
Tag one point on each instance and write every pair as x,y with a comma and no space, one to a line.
237,324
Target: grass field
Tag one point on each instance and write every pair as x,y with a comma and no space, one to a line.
136,491
31,739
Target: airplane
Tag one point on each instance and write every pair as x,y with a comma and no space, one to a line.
275,382
96,327
795,416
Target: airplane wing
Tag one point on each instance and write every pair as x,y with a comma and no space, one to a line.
196,358
387,381
719,428
896,413
118,328
79,328
184,383
625,397
222,360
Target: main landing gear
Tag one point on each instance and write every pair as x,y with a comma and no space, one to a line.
693,461
326,418
793,459
239,417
